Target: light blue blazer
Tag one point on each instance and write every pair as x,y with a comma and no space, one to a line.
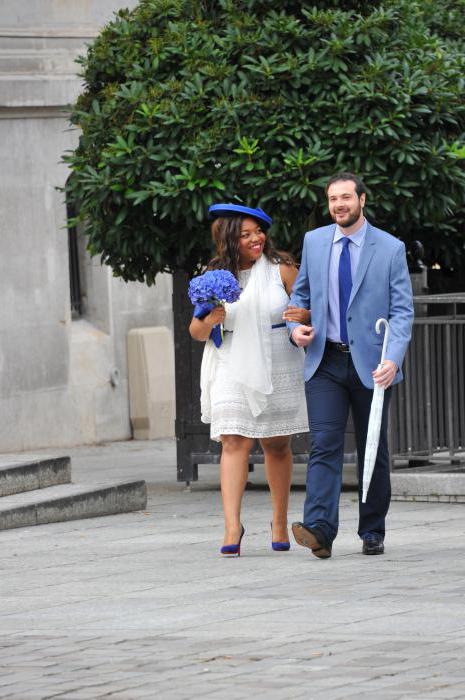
381,289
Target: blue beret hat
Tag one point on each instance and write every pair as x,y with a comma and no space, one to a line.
220,210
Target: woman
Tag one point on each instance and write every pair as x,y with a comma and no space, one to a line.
252,384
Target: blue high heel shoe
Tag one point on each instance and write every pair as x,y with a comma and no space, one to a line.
279,546
233,550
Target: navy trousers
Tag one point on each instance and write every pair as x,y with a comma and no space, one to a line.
334,388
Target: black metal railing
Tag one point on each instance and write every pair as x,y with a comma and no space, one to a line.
428,408
427,412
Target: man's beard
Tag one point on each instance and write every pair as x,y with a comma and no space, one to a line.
350,221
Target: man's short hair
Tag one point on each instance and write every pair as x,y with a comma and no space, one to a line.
344,176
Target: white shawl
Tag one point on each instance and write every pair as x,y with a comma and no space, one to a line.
249,357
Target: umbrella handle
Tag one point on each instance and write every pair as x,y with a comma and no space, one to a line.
379,323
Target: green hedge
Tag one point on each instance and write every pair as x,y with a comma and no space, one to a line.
188,103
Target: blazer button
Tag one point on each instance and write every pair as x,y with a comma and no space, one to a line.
350,318
351,342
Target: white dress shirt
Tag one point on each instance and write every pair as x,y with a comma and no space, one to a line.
355,246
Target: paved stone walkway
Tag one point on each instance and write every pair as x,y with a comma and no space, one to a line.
142,606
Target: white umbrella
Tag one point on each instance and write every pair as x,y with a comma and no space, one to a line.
374,422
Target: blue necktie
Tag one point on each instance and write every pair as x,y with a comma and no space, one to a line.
345,287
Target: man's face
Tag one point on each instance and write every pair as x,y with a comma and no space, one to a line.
345,206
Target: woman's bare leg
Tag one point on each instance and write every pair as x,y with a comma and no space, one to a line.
278,470
234,470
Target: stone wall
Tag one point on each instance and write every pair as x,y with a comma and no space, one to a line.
63,381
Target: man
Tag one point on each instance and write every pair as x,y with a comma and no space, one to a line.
351,274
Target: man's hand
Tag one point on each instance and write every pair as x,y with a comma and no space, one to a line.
385,376
303,335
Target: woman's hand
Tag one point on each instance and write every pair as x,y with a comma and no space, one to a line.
200,329
215,317
297,315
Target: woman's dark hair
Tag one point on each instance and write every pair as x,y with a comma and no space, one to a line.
226,232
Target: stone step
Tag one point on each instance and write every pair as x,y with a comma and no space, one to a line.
18,475
71,502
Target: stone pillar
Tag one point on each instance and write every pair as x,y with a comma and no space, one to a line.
57,375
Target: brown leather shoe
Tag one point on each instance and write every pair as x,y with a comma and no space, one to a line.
313,538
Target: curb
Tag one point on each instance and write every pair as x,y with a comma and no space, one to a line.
18,477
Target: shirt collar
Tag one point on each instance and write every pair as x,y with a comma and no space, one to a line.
356,237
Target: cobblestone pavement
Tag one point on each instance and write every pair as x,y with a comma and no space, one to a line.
142,605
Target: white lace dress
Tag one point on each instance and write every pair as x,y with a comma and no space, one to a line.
286,412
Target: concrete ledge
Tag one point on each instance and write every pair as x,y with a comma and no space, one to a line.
19,476
71,502
439,487
38,90
430,499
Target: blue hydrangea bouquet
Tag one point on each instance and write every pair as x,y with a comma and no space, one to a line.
211,289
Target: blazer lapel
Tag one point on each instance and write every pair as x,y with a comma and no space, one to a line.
366,254
326,246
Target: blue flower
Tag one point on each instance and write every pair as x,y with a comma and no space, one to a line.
214,287
211,289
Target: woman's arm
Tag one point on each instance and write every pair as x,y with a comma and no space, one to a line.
292,313
288,275
200,329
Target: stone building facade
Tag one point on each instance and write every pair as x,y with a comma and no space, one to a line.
63,375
